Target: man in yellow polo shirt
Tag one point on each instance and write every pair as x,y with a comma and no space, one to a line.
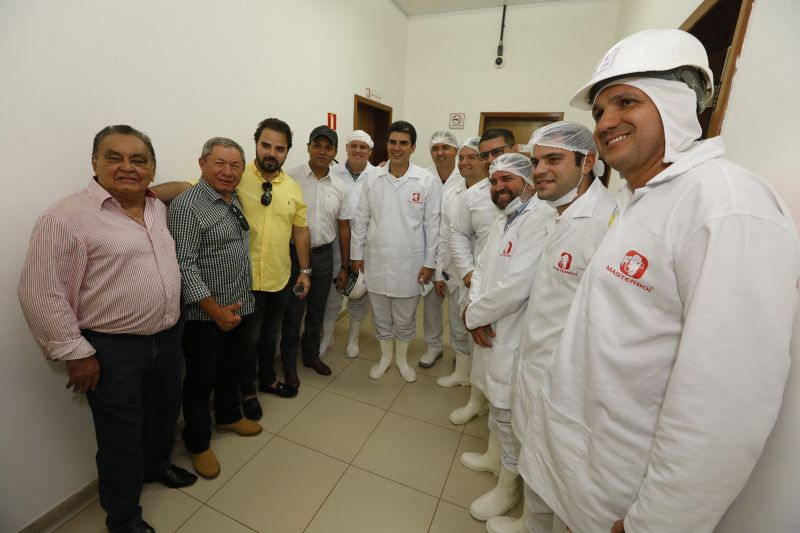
274,207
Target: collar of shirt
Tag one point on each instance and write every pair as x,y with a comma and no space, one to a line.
584,205
310,173
100,196
257,170
412,172
513,216
212,195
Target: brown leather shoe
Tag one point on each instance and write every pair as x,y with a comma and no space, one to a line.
290,378
318,366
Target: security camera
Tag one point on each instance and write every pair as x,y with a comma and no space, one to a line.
499,61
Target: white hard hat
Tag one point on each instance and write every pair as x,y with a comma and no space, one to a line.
670,54
356,286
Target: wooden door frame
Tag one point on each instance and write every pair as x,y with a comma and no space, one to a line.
734,51
370,103
553,116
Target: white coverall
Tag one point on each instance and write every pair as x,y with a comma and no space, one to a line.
670,371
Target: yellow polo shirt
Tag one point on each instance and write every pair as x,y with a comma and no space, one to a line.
271,226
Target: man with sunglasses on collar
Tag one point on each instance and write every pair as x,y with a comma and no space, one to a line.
212,242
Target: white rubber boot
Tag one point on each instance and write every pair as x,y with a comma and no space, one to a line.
506,524
401,355
352,338
488,461
476,406
430,357
328,328
460,375
500,499
387,353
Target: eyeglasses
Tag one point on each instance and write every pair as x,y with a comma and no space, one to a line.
497,152
266,198
240,217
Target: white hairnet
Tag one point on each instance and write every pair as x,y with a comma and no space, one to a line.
361,135
677,105
567,136
515,163
471,143
444,137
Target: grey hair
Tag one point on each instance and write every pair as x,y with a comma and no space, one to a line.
220,141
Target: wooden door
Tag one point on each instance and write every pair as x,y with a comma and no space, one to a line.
521,125
374,118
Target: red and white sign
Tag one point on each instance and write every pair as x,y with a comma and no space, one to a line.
508,250
332,121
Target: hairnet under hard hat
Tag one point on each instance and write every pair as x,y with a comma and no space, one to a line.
515,163
444,137
471,143
567,136
361,135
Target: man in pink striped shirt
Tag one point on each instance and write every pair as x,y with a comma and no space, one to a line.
100,290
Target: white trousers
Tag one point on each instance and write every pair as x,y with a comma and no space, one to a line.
539,518
432,325
394,317
500,424
459,336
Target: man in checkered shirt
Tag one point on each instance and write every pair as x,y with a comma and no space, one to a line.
212,245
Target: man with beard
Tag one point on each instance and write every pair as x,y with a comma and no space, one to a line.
498,295
274,206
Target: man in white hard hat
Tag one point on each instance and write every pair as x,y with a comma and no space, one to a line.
394,239
668,376
501,284
354,171
443,147
565,174
451,199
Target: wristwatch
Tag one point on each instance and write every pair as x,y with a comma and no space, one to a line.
305,271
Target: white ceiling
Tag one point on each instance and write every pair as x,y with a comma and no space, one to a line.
426,7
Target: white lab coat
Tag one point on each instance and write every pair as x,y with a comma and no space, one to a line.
451,198
501,284
670,371
396,229
353,194
572,239
470,224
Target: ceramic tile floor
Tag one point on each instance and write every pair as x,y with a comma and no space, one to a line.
349,454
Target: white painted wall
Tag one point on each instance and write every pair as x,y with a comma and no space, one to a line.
183,71
550,49
761,133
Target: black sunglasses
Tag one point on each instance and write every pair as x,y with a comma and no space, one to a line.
240,217
266,198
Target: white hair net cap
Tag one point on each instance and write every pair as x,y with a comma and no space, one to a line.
567,136
361,135
471,143
515,163
444,137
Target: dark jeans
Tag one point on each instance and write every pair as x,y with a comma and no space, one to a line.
262,334
313,306
213,363
135,409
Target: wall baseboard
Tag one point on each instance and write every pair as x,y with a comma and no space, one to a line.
64,511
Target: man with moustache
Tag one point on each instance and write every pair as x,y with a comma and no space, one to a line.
100,290
212,243
501,285
671,367
329,214
353,171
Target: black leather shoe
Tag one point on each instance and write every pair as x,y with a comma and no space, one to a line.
143,527
173,477
318,366
252,409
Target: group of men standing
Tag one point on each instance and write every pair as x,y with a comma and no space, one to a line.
631,367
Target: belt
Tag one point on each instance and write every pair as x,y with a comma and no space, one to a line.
323,248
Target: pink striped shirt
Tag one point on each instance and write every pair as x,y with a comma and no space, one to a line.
91,266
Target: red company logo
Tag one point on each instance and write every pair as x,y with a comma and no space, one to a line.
507,250
565,260
633,264
415,198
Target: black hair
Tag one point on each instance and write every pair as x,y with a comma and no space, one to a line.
122,129
274,124
401,126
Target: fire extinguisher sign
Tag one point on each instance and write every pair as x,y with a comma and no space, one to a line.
332,121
